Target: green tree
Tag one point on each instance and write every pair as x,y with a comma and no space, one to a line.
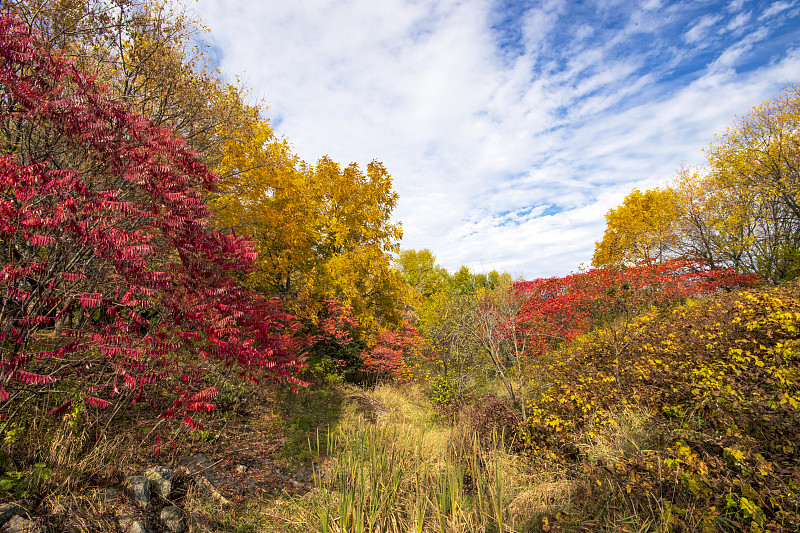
493,319
451,355
421,272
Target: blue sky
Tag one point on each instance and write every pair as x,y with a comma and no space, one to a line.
509,127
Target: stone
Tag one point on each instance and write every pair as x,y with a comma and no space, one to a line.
206,476
171,519
160,480
137,527
17,524
129,520
9,510
126,516
108,495
138,489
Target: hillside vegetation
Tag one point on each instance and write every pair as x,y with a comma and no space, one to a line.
174,281
699,434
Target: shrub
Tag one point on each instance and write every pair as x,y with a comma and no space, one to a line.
493,418
109,274
718,381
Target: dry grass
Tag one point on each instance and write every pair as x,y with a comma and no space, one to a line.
79,511
406,472
628,433
387,464
543,498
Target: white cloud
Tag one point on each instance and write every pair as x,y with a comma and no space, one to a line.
776,8
697,32
503,158
650,5
735,5
738,21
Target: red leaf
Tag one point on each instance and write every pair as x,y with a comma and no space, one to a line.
204,395
192,424
60,409
169,413
200,407
95,402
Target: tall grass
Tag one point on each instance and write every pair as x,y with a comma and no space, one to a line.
403,474
408,471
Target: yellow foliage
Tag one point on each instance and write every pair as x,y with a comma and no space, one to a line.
320,232
742,210
642,229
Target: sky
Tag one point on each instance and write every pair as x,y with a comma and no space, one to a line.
509,127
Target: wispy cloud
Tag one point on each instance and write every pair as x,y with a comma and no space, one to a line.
738,21
700,30
509,130
775,8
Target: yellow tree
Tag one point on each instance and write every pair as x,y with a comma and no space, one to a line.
642,229
356,237
320,232
267,194
758,158
742,210
142,50
718,223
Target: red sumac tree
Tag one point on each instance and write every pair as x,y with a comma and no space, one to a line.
108,267
393,355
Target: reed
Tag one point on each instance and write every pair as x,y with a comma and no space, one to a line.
388,477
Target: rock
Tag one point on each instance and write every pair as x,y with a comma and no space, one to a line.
126,516
138,489
171,519
9,510
241,469
160,480
206,476
17,524
136,527
108,495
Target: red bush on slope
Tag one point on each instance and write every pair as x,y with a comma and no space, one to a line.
107,266
559,309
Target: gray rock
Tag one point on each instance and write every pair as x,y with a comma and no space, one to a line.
17,524
108,495
126,516
138,489
171,519
9,510
136,527
160,480
129,520
207,478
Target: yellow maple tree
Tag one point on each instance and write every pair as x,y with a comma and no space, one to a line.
322,231
642,229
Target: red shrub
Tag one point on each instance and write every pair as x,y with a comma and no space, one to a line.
105,252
